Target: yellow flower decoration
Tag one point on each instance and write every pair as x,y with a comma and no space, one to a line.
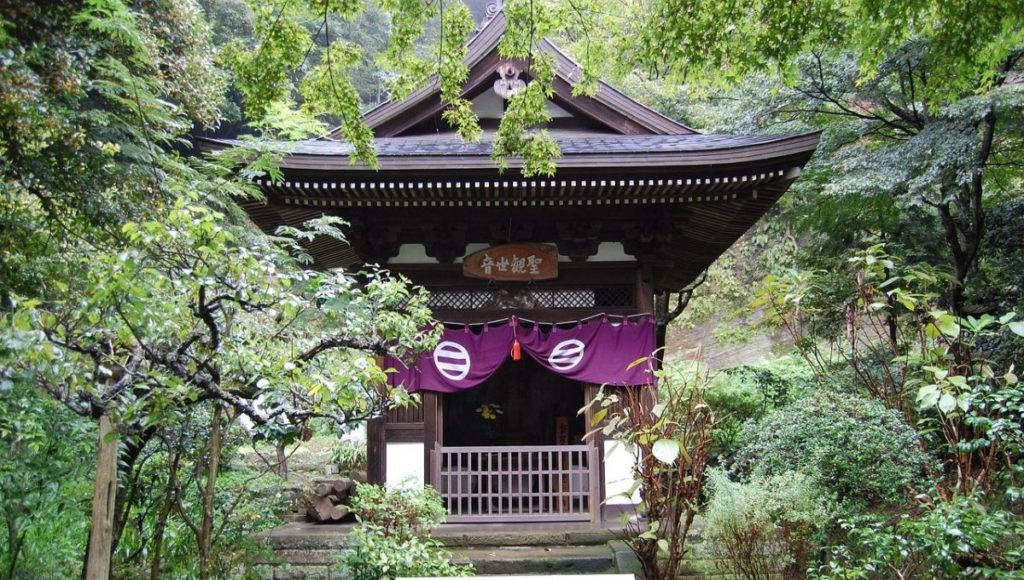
489,411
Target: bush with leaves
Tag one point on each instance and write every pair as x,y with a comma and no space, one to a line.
769,526
169,494
378,556
973,412
950,539
44,483
349,455
670,440
855,447
403,511
196,309
393,537
749,392
952,376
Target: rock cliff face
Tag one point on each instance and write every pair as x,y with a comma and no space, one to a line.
739,342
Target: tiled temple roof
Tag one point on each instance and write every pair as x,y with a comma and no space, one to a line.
574,143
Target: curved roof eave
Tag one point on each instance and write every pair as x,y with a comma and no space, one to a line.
734,151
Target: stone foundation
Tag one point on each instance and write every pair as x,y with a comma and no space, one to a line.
303,550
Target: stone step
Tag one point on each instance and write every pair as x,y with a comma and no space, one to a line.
311,551
312,536
307,536
560,559
478,535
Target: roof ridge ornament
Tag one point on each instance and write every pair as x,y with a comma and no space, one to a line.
490,12
509,83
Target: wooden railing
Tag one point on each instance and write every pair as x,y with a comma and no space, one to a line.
522,483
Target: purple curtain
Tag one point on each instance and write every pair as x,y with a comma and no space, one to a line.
595,351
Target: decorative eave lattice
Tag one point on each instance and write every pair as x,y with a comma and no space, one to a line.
520,193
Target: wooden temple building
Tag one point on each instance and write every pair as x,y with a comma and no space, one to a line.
640,205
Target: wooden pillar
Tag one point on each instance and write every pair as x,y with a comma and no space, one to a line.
644,294
376,451
433,435
376,440
104,492
596,487
597,490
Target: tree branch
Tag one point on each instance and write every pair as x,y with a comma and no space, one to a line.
683,298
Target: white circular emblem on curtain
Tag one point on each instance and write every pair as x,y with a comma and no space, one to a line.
452,360
566,354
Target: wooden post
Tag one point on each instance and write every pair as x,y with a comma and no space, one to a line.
435,469
596,442
565,461
644,294
431,434
596,480
376,451
376,439
104,492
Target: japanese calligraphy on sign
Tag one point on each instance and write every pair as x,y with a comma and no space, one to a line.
513,262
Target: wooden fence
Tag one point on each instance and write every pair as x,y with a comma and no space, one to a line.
517,483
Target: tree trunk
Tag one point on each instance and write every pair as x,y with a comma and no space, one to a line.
161,520
104,493
965,231
282,461
129,454
14,539
209,495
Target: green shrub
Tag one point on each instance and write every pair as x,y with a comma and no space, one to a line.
393,538
749,392
378,556
856,448
47,466
349,455
248,500
955,539
767,526
402,512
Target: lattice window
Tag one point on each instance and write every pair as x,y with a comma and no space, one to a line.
460,299
532,298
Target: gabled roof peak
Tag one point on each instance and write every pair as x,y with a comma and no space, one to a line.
607,107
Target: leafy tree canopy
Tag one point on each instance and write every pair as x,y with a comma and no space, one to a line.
729,39
132,285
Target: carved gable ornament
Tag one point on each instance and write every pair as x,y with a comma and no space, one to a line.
513,263
509,82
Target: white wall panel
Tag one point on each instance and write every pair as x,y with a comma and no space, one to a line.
404,465
618,474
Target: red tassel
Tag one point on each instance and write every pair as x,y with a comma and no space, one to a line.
517,352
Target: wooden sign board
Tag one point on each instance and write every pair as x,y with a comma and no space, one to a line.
513,263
